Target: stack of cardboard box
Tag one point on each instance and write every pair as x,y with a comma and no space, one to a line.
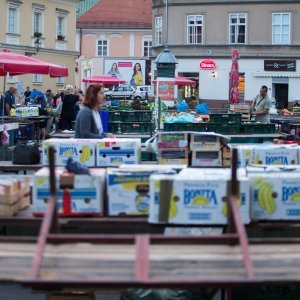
205,150
173,148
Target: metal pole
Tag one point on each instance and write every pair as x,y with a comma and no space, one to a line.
3,105
167,23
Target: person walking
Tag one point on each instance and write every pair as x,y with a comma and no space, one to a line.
88,121
261,106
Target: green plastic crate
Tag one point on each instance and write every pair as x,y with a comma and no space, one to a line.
229,129
178,126
136,128
114,116
212,127
113,127
136,116
223,119
200,127
258,128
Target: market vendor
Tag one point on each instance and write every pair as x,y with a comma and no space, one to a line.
9,100
88,121
261,106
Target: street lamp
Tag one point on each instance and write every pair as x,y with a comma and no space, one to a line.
37,45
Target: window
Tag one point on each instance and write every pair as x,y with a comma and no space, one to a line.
12,20
158,31
147,48
102,48
281,28
37,78
61,27
37,22
237,28
195,29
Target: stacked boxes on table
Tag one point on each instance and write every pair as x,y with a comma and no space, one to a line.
206,150
195,196
173,148
102,153
77,194
31,111
128,189
14,195
114,152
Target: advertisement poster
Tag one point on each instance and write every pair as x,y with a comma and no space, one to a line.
166,90
132,71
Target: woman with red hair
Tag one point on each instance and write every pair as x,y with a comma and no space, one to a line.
88,121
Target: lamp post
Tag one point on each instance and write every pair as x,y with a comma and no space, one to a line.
166,64
37,45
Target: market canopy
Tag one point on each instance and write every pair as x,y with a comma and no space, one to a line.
17,64
180,81
103,79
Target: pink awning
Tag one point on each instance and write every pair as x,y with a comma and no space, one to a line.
180,81
103,79
17,64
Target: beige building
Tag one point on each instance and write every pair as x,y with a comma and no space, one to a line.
265,32
53,22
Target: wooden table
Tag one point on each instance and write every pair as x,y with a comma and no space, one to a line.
8,166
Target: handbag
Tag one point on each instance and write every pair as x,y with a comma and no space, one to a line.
24,154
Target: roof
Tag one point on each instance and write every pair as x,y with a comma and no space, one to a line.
108,14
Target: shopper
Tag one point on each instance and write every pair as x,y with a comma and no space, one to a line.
88,122
261,106
49,97
68,113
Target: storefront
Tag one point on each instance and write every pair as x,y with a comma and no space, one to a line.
281,76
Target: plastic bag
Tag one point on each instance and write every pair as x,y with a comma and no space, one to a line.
4,136
184,118
182,106
202,109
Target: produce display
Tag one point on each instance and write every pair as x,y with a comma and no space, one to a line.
31,111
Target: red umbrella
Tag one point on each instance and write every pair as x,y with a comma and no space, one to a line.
234,78
104,79
17,64
180,81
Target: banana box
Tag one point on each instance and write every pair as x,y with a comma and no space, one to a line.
114,152
77,194
274,155
173,161
244,154
195,200
205,142
172,140
158,168
81,150
275,196
31,111
128,191
206,158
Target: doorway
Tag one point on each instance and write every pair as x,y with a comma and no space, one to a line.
281,95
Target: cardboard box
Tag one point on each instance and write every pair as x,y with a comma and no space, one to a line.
31,111
114,152
173,161
173,153
204,142
244,154
206,159
128,191
77,194
275,196
274,155
81,150
158,168
197,200
172,140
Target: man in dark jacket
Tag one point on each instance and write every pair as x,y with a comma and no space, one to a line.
9,101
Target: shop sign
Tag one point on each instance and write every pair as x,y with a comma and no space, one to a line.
166,90
280,65
208,65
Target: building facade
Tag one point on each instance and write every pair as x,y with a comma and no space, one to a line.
53,22
202,34
115,32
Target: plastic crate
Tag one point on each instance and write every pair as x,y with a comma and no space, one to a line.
200,127
229,129
114,116
258,128
223,119
136,127
113,127
178,126
212,127
136,116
